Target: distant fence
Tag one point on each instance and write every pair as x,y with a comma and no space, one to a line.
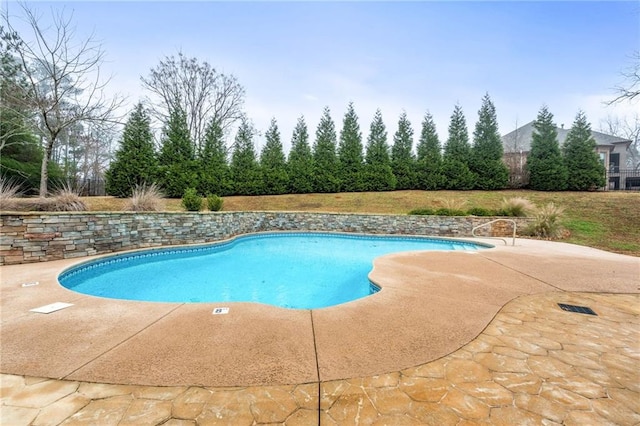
623,179
90,187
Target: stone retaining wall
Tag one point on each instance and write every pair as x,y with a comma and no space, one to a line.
38,237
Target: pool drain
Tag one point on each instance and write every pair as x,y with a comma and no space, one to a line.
578,309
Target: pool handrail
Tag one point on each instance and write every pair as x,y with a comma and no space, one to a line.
513,243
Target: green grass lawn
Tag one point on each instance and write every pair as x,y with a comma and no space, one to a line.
606,220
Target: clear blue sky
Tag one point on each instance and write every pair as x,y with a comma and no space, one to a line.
295,58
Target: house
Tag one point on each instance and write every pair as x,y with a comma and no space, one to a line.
611,149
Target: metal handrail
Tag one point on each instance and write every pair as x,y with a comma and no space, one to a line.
513,243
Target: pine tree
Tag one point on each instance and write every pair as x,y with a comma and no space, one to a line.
429,156
213,166
457,154
135,161
403,162
546,168
350,157
178,169
273,162
245,170
585,170
325,159
378,175
300,162
486,159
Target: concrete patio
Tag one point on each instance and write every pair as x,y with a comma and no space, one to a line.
451,338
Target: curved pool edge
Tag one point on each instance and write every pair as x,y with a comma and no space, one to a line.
151,252
161,344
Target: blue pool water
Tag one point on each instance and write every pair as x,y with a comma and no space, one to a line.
300,271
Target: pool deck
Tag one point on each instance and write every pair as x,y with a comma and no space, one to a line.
452,336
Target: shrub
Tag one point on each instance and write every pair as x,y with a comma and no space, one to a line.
145,198
191,200
445,211
65,199
516,206
480,211
422,212
9,192
546,222
214,203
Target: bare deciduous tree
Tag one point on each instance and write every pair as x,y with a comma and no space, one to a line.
97,152
64,83
627,128
203,93
630,88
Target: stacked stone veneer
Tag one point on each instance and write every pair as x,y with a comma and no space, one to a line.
38,237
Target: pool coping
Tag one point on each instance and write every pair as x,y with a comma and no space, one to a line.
207,248
432,303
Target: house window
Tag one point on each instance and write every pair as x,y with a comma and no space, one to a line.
603,158
614,163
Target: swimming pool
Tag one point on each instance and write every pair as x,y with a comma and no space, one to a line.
290,270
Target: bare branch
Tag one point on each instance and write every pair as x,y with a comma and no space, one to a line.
630,89
196,87
627,128
64,79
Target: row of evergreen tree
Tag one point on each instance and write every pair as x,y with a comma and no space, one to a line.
575,166
332,164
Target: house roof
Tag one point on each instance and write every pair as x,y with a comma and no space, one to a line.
520,139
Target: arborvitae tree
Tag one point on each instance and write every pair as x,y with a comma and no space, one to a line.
135,161
403,163
457,146
457,176
429,156
245,170
547,171
457,154
325,160
487,151
585,171
273,162
378,175
213,166
300,162
350,156
178,168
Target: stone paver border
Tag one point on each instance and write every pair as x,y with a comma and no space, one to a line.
533,364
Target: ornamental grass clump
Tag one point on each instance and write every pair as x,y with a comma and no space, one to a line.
450,207
516,206
453,204
65,199
9,193
546,222
146,198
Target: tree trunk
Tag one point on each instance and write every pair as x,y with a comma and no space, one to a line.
44,170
